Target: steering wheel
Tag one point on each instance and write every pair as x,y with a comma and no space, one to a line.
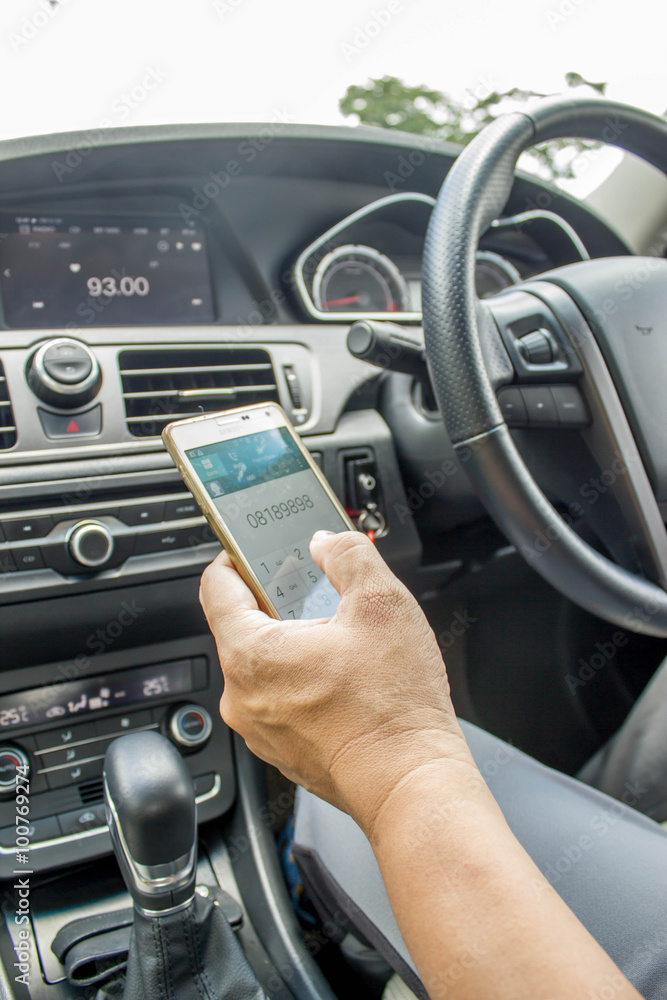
593,332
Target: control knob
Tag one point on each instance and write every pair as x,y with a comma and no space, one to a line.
14,766
190,726
64,373
90,543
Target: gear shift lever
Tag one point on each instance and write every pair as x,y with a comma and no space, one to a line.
181,943
151,812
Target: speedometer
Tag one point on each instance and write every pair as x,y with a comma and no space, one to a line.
356,278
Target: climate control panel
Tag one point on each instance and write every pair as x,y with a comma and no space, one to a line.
53,740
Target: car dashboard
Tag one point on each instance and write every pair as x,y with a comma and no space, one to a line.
149,274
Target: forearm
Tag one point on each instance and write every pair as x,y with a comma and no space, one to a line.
479,919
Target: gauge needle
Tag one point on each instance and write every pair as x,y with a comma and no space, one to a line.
348,301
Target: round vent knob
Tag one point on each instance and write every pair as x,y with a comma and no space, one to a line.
64,373
90,543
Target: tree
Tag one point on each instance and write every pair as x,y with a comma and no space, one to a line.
390,103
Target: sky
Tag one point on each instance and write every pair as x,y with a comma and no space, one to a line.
80,65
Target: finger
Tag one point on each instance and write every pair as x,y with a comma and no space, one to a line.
229,604
355,567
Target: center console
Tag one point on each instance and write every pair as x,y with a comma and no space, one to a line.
53,739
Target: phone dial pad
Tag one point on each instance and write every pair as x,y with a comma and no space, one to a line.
296,586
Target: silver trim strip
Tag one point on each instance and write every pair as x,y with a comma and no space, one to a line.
380,203
70,838
95,739
345,223
516,220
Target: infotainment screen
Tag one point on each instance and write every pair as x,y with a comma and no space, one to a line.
78,272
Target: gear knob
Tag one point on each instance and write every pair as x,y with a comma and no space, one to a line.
152,817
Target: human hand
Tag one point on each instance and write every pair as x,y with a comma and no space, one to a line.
348,707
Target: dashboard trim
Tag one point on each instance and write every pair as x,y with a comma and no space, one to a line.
307,298
349,220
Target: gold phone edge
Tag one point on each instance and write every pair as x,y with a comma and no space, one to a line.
212,516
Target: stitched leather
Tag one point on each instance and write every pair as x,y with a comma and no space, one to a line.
189,955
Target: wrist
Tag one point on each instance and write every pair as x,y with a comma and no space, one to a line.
430,771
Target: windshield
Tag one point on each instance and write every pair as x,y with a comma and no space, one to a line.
70,65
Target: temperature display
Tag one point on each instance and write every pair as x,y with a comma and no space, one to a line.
95,694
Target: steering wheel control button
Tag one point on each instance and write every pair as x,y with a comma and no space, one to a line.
58,425
190,726
513,407
144,513
68,362
90,544
20,528
14,765
64,373
540,406
537,348
570,405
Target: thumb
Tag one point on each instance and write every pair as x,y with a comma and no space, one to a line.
352,564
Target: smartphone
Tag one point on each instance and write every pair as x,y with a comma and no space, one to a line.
264,498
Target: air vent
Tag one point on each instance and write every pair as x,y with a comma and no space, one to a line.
7,428
92,791
159,386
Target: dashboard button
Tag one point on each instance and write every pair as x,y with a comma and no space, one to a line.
74,774
74,755
28,558
39,830
88,818
123,723
20,528
64,737
57,425
513,407
148,513
164,541
7,564
175,509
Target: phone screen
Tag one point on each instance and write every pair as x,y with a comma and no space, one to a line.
272,503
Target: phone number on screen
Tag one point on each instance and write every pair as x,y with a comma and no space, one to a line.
278,511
